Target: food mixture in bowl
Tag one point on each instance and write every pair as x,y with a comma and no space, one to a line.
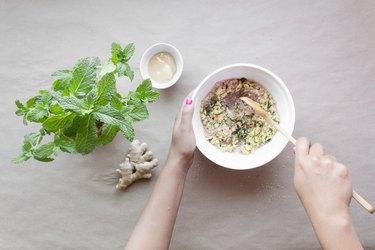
232,125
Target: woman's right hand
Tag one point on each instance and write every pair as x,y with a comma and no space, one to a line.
321,182
325,190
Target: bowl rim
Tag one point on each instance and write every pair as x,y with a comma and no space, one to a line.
177,57
286,92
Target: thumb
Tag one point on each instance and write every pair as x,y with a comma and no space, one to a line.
187,115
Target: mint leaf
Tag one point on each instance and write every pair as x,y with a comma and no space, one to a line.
71,131
128,51
45,98
87,135
19,104
119,55
56,109
64,75
109,115
116,102
27,146
107,67
72,103
151,96
44,151
37,114
43,159
21,158
90,99
31,102
139,111
84,74
127,130
62,79
145,93
31,141
33,138
106,89
129,72
67,146
144,87
22,110
121,69
37,109
57,122
112,116
60,85
116,49
64,143
109,132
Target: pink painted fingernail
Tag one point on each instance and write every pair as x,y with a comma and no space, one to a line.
188,101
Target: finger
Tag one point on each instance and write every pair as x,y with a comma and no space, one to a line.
326,161
316,150
185,102
186,117
341,170
302,148
332,158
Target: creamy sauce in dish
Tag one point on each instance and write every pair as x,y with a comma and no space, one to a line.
162,67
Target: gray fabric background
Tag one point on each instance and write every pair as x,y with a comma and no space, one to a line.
323,50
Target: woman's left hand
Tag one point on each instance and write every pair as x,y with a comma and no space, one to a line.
183,139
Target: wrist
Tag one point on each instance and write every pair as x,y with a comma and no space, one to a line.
179,160
337,226
341,220
332,215
323,222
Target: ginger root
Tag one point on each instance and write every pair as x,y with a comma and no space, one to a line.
137,165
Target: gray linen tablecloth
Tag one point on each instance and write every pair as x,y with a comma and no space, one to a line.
323,50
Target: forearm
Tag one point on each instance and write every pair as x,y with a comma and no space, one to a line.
155,226
336,232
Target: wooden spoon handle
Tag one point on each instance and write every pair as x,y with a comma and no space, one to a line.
281,130
363,202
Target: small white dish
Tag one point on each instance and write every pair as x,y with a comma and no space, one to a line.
285,107
153,50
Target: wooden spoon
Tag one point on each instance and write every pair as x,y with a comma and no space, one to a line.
255,106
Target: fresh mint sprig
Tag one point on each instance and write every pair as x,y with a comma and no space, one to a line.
83,109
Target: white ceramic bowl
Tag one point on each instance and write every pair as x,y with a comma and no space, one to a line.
284,104
157,48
